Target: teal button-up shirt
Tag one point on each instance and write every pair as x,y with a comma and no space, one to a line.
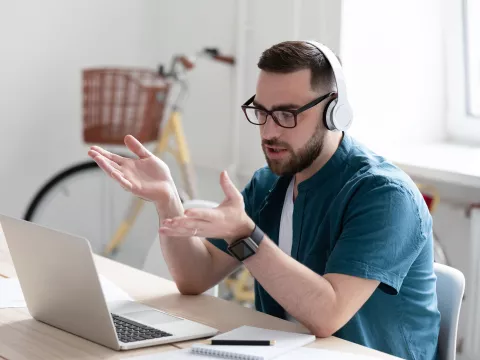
359,215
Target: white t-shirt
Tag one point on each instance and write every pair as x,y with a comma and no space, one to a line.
286,223
286,229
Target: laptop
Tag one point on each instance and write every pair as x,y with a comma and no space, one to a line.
61,287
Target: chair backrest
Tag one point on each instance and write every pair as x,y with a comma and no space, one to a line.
155,262
450,289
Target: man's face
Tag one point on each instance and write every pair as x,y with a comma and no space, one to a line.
289,151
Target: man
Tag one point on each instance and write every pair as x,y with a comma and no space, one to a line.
348,244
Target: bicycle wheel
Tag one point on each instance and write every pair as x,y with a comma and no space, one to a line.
39,199
82,200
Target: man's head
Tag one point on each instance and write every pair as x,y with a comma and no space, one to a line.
293,74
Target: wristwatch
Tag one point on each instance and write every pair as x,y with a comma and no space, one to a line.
243,248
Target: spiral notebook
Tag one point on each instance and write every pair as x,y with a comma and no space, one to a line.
296,354
284,342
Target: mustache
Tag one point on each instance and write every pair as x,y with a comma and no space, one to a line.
275,142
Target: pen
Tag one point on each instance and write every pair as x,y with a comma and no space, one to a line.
242,342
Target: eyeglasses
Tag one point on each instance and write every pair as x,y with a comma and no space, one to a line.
283,118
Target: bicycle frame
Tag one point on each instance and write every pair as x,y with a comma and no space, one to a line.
182,155
173,128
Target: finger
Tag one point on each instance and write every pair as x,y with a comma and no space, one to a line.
136,147
173,227
105,165
93,154
117,175
209,215
228,187
186,223
114,157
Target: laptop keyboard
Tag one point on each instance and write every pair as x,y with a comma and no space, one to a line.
129,331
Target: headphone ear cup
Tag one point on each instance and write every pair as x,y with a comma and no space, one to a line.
328,119
342,117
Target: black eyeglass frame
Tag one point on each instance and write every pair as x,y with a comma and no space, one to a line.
294,112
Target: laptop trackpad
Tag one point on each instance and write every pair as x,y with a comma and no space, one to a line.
151,317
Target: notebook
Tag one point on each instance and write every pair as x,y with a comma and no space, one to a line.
315,354
296,354
284,342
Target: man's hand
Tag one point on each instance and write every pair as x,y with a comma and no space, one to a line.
147,177
227,221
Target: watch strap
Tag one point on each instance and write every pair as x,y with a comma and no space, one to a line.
257,235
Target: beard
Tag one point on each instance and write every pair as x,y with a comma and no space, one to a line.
296,161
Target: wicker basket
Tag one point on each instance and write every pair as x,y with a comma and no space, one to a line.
118,102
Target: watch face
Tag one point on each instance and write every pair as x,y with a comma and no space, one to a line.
241,250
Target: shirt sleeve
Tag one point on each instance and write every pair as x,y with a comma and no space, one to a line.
382,235
247,194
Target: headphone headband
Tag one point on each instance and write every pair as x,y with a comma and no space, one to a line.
336,67
339,117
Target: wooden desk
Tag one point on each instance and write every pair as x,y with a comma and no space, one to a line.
21,337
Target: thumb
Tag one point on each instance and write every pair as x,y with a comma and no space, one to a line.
136,147
228,187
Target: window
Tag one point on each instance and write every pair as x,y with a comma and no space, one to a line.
461,24
471,16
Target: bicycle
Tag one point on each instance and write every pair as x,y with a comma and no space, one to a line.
117,102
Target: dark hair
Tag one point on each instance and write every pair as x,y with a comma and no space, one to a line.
290,56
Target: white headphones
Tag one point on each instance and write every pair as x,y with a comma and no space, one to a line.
338,113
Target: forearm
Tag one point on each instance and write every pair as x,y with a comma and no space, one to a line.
307,296
187,258
322,303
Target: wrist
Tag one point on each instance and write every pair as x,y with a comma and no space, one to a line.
246,246
243,230
168,203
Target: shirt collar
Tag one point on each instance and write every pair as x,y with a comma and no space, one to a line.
336,162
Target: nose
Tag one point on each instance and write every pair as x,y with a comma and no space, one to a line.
270,129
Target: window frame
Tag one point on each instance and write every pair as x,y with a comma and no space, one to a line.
462,125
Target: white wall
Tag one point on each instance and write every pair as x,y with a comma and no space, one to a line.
46,44
185,27
393,57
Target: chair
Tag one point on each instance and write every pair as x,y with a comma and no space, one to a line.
450,289
155,263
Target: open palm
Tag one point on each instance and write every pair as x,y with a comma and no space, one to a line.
146,176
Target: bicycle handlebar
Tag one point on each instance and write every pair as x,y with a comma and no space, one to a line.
189,64
215,54
225,59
